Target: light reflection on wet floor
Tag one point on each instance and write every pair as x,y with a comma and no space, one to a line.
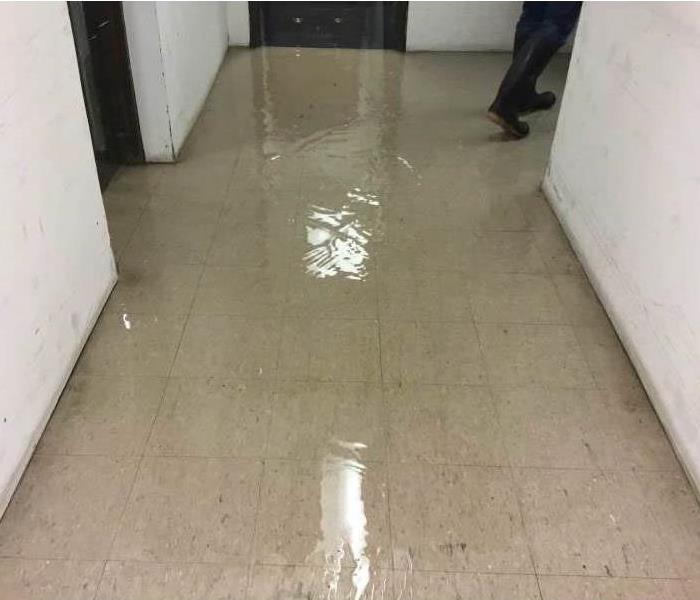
350,356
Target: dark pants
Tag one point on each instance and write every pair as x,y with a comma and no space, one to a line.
557,18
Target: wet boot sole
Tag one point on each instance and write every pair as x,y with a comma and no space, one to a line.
494,118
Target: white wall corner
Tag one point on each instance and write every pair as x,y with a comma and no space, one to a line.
623,313
148,72
238,20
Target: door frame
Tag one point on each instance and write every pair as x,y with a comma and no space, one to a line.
394,29
110,73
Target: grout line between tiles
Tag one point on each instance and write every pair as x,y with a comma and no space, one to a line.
413,463
273,405
243,564
142,455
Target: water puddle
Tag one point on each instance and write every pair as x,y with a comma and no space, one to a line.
339,239
344,526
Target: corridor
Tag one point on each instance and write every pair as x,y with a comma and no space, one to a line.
350,355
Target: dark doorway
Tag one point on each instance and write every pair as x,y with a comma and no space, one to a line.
105,74
329,24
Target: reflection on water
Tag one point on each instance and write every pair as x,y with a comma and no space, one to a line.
344,525
341,137
338,244
338,239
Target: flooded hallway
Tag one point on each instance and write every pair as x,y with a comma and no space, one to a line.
351,354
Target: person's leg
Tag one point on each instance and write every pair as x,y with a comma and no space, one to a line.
531,17
563,16
536,46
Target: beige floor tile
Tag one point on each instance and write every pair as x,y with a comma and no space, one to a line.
505,252
253,292
580,302
437,295
22,579
605,588
590,523
520,354
197,179
190,510
610,365
228,346
568,428
123,211
515,298
329,350
431,352
132,345
638,439
119,201
103,415
172,231
135,179
556,252
155,289
245,245
277,582
144,581
444,424
212,417
66,507
675,508
406,249
457,519
256,202
465,208
309,418
692,588
461,250
311,511
548,428
120,231
538,213
484,211
330,297
423,585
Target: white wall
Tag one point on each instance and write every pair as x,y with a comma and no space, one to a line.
176,49
194,38
238,23
461,25
56,265
143,37
624,178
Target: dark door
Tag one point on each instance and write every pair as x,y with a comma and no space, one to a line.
329,24
105,74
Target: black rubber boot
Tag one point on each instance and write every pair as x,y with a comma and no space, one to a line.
532,100
516,89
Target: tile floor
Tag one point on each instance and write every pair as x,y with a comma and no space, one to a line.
350,355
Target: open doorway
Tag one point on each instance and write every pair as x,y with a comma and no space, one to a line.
105,74
378,25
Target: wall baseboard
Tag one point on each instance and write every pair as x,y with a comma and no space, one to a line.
608,288
9,489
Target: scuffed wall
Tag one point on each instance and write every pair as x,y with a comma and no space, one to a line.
175,49
625,182
461,25
56,265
